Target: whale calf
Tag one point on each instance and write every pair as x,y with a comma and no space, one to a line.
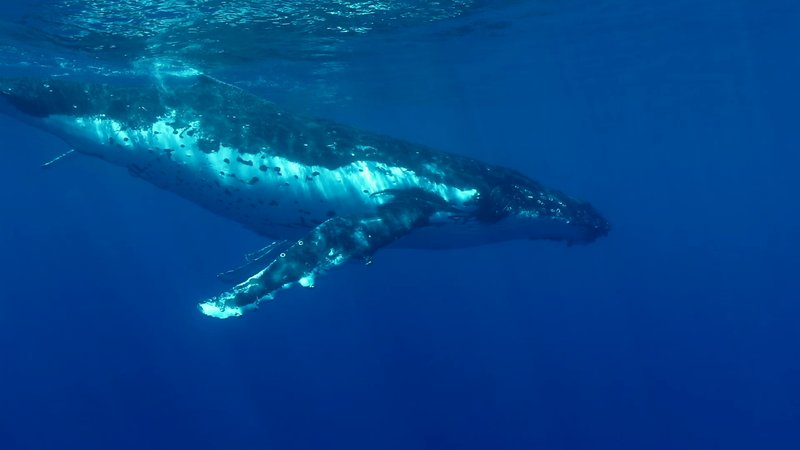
332,192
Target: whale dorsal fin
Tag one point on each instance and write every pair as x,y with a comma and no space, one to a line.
330,244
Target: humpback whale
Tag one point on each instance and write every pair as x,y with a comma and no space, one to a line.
333,193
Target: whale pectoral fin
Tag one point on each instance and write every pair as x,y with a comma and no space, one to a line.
330,244
253,261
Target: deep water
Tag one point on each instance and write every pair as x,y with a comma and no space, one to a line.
680,330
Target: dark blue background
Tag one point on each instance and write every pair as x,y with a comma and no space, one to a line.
678,331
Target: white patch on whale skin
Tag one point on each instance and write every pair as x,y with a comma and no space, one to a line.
220,312
231,182
306,281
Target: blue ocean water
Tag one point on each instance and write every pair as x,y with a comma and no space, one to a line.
680,330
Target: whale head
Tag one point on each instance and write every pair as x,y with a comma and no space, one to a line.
535,212
84,114
38,98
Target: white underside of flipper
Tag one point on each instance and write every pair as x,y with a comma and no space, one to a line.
214,309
